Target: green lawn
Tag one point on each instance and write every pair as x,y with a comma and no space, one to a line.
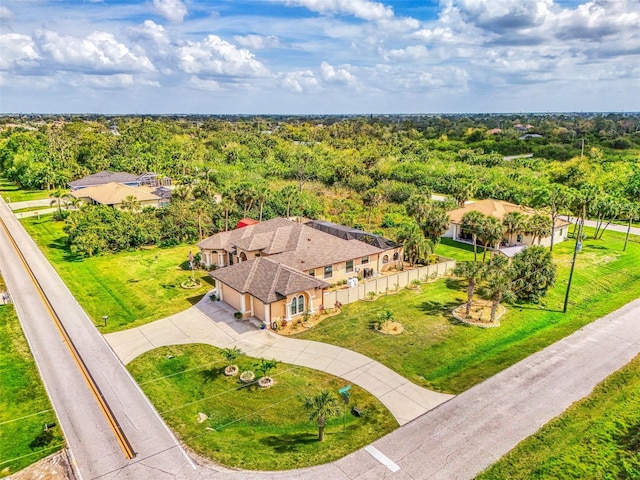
24,404
440,353
248,427
596,438
11,193
132,288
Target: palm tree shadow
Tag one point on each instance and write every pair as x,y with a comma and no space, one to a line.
211,374
289,442
439,308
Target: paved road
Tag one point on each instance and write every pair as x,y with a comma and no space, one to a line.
458,439
213,323
92,444
613,227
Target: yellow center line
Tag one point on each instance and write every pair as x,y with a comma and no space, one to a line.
123,441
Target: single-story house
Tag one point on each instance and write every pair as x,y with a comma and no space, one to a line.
303,260
113,194
498,209
102,178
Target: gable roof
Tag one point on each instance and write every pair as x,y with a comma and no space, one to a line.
266,279
114,193
102,178
497,209
295,245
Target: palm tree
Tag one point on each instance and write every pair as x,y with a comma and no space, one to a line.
499,286
320,407
416,247
201,207
513,222
130,203
230,355
56,198
490,233
435,223
538,226
471,223
266,366
418,206
473,272
371,199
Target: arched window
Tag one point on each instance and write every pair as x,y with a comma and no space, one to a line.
301,304
243,257
385,259
396,256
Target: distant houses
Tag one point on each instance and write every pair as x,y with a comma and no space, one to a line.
112,188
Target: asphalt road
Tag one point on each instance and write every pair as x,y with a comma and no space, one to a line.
456,440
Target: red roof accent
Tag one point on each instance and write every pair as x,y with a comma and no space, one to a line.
245,222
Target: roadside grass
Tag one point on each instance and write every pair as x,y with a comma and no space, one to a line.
440,353
12,193
131,288
596,438
248,427
24,404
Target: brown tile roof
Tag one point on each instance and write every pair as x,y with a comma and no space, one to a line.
495,208
266,279
290,243
114,193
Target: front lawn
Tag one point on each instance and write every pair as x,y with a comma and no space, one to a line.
12,193
439,353
596,438
244,426
24,404
131,288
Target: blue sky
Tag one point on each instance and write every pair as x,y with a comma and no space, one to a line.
318,56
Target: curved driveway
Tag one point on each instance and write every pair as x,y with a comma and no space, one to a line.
213,323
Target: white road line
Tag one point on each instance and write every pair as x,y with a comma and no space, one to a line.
382,458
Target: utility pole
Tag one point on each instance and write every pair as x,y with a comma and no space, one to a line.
624,249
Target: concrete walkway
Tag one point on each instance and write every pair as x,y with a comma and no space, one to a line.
213,323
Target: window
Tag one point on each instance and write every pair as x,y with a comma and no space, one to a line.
396,256
312,272
348,267
297,305
243,257
561,232
364,260
519,239
385,259
328,271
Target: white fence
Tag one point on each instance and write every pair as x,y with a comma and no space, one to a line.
388,283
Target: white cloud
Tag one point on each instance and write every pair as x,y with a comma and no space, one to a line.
18,51
172,10
5,13
300,81
149,30
410,54
341,76
206,85
216,57
363,9
257,42
99,52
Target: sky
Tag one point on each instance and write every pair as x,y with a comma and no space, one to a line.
319,56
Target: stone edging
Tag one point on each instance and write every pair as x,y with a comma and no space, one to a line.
501,311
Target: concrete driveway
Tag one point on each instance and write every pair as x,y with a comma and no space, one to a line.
213,323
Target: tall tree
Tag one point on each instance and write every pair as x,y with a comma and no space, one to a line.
499,285
533,273
513,223
556,198
435,223
490,233
472,223
472,272
538,226
57,196
417,248
320,407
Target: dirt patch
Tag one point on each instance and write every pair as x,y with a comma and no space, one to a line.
53,467
480,314
389,327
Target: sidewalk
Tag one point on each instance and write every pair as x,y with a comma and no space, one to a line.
213,323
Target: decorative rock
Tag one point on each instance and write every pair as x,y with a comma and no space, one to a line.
231,370
247,376
202,417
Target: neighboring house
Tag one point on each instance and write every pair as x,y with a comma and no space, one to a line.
102,178
113,194
498,209
300,261
245,222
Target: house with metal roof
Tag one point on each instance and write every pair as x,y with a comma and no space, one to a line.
279,268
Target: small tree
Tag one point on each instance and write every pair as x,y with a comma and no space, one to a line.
266,366
320,407
230,355
499,283
57,197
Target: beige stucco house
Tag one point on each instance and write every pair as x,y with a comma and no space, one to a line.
278,269
498,209
113,194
